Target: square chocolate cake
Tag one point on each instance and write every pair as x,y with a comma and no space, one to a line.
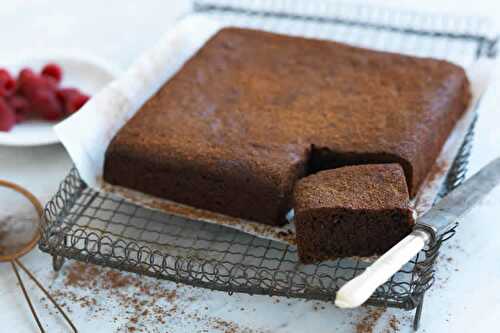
252,112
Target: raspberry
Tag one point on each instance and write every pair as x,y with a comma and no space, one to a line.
72,99
78,102
36,94
65,94
29,83
19,103
7,83
20,117
7,116
46,104
54,71
25,74
21,107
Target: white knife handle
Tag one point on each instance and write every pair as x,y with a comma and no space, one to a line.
358,290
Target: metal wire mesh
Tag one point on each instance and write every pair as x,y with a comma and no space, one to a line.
101,228
97,227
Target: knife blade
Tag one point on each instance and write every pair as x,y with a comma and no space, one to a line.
447,211
436,221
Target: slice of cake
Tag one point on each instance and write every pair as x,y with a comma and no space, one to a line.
251,112
351,211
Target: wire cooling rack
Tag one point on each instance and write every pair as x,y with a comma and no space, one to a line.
85,225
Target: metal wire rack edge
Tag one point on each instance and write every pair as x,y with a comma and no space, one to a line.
487,45
58,243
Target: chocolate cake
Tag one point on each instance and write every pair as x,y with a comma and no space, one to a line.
246,180
351,211
252,112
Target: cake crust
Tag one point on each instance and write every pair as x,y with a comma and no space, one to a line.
272,108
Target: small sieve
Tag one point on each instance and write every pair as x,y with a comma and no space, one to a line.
19,233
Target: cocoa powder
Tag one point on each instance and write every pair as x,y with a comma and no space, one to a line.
142,302
3,234
394,323
368,322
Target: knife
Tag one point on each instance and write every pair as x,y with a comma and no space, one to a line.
441,218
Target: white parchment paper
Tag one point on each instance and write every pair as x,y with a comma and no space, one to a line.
86,134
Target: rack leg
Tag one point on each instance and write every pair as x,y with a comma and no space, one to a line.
57,262
418,315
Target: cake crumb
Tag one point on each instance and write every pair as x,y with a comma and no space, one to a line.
394,323
368,322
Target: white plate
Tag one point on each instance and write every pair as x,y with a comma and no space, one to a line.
83,72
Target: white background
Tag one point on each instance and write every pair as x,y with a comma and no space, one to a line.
466,297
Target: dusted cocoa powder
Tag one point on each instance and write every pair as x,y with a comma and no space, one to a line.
368,322
140,304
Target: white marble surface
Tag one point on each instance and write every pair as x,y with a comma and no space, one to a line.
465,297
